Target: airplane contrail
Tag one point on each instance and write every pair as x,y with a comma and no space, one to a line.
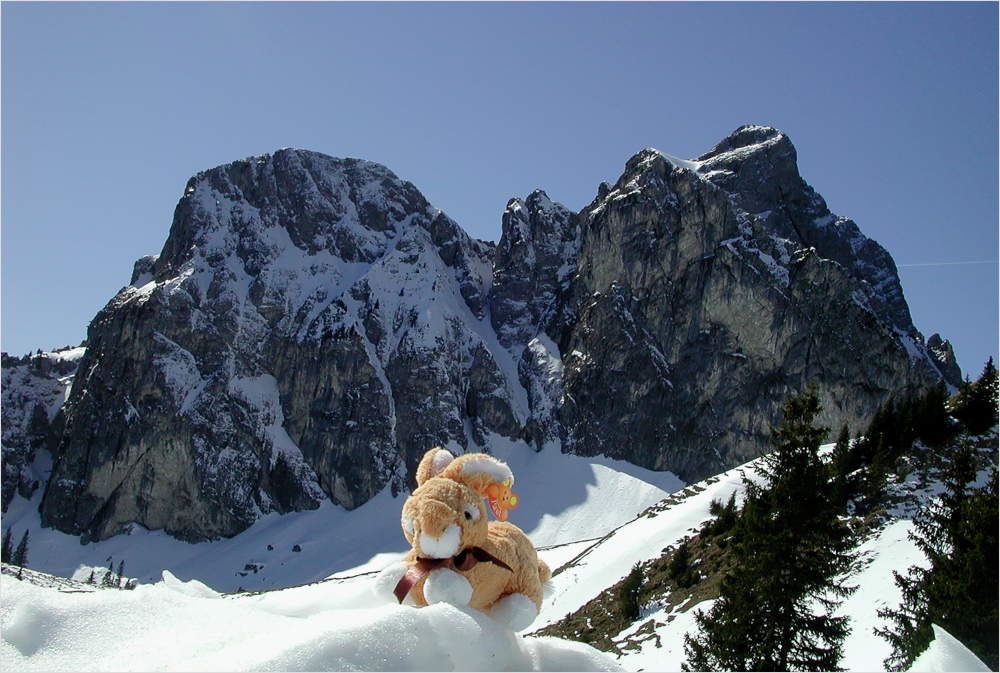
947,263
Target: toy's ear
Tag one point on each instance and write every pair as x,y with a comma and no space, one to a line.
432,464
478,471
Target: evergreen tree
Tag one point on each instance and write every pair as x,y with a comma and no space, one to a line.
680,567
841,467
20,557
109,577
8,547
91,579
788,547
958,592
725,516
121,571
976,403
628,594
931,420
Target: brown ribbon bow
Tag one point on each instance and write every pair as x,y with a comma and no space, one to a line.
464,560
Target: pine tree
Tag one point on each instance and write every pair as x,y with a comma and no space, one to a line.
20,557
724,517
628,594
109,577
976,403
8,547
788,547
841,466
958,535
91,579
121,571
931,421
680,567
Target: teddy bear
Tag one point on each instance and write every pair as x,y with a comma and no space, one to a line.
459,557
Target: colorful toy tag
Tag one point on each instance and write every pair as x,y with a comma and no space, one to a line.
500,499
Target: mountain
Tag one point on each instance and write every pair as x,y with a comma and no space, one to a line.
310,327
313,325
694,298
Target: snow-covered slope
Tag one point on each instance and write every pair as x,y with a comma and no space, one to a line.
563,499
337,624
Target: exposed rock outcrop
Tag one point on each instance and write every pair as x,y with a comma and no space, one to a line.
310,327
34,389
705,292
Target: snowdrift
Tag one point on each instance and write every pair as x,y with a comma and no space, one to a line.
185,626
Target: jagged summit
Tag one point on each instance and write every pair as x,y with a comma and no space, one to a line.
348,207
310,325
756,167
707,290
750,138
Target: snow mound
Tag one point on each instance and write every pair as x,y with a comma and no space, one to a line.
946,653
184,626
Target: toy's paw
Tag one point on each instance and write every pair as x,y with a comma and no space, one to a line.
386,581
514,613
444,585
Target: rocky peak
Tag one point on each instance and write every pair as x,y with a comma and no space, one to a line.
756,166
533,264
705,291
348,208
310,327
944,356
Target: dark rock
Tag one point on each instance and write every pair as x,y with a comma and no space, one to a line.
310,328
34,388
944,356
705,292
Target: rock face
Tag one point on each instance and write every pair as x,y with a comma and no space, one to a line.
313,325
705,292
34,389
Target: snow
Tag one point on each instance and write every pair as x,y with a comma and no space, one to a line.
665,653
642,539
67,355
890,550
563,499
692,166
331,625
608,561
180,372
946,653
545,354
174,625
591,519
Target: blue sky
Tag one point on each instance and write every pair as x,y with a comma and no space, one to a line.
108,109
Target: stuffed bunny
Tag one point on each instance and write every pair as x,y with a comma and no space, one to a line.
457,556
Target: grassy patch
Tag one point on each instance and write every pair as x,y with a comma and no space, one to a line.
670,581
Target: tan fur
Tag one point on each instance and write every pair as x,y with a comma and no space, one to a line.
441,501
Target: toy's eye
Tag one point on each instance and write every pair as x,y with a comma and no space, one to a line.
471,512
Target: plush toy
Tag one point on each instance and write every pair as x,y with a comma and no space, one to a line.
459,557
